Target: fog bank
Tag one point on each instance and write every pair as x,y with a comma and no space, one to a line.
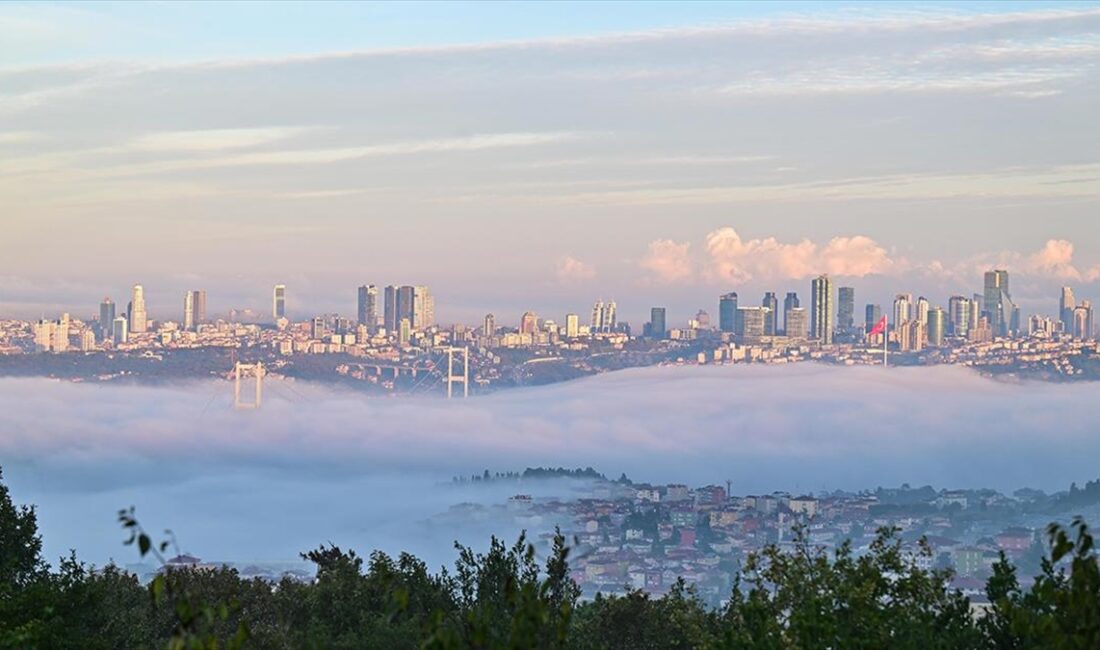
317,463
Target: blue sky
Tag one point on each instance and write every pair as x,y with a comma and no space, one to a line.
175,31
543,156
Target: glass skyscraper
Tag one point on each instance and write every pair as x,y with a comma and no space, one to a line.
822,315
771,317
278,302
727,312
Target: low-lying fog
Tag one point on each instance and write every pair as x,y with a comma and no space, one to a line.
318,464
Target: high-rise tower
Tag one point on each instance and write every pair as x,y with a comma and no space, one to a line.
139,320
771,316
278,302
998,302
727,312
846,310
368,306
1066,305
822,317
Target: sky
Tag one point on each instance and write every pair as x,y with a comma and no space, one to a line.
321,464
541,156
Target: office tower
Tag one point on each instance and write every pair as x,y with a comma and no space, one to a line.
727,312
1066,305
958,315
796,323
998,302
822,315
87,341
317,327
189,310
977,306
789,303
390,317
657,327
278,302
1083,326
771,318
367,307
572,326
199,300
106,318
752,322
922,310
872,314
528,323
903,309
404,331
422,309
43,335
597,317
845,310
489,327
60,342
604,317
405,305
937,325
139,320
120,331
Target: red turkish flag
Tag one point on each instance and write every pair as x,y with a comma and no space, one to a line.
879,328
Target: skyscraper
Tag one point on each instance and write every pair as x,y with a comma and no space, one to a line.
1066,305
528,323
771,317
489,328
872,314
796,323
789,303
922,310
367,307
138,319
317,329
603,316
1083,325
822,316
189,310
572,326
959,315
998,302
657,327
752,322
405,304
903,309
937,321
597,316
199,300
278,302
422,314
106,318
120,331
727,312
846,310
390,317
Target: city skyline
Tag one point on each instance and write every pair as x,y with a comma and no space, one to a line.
832,313
707,156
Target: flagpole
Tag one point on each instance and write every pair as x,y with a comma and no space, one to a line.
885,342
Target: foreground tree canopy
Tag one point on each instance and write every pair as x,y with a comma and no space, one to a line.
504,598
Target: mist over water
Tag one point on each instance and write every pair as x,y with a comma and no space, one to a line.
319,464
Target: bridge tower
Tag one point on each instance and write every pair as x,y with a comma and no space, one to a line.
454,378
242,370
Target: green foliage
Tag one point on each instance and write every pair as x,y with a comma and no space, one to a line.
797,597
1061,610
